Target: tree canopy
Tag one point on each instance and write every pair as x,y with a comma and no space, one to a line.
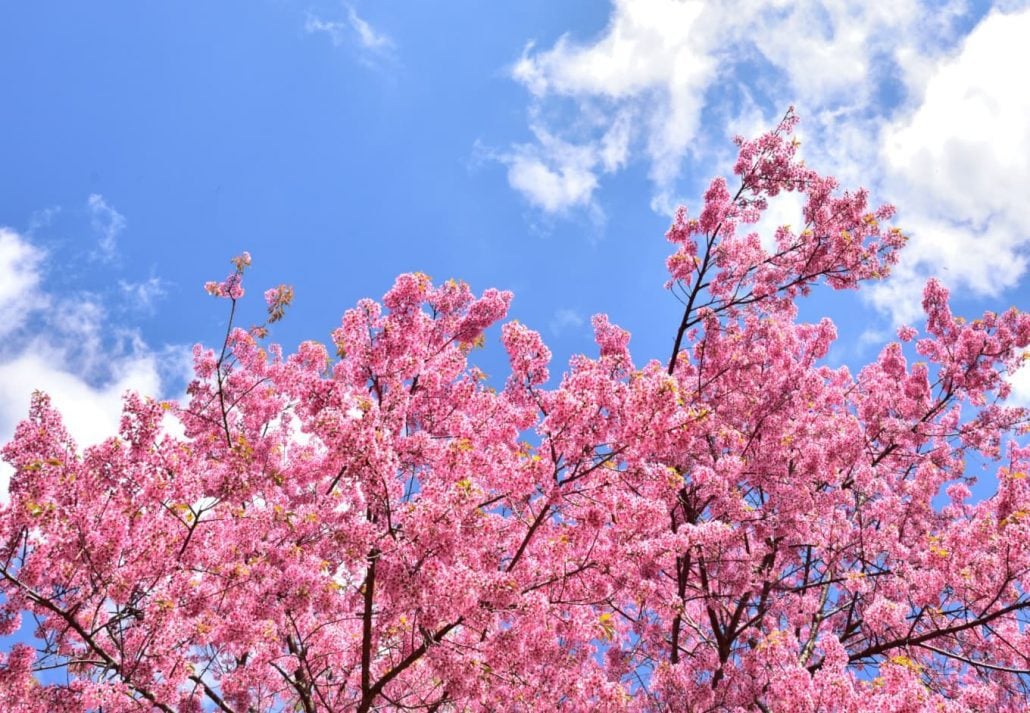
372,526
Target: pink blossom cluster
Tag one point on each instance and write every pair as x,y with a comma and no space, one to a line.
741,527
232,286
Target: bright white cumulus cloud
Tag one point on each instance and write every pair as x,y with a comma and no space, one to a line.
642,81
958,166
91,413
891,95
655,68
66,346
19,281
1020,383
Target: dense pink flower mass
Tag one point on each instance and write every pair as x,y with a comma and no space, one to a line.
374,527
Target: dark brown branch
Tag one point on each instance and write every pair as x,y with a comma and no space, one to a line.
974,662
367,699
215,698
529,535
69,618
366,623
931,635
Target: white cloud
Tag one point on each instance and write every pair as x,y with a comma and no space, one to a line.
73,352
958,165
369,37
951,149
42,218
656,64
643,48
565,319
142,295
784,209
965,146
91,413
107,223
337,31
553,175
20,264
1020,382
649,67
827,50
355,31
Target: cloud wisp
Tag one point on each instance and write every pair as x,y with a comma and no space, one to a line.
107,224
373,46
566,320
142,295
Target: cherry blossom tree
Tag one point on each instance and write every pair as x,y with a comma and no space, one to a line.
740,527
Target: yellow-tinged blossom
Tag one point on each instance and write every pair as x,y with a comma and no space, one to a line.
906,662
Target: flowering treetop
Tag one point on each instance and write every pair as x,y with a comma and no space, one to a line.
740,527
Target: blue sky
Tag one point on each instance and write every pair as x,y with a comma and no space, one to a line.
536,146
